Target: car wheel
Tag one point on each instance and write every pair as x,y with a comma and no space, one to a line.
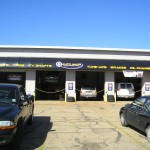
30,121
15,144
70,99
123,120
148,133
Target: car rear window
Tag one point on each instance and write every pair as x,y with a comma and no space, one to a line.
126,86
129,86
122,86
88,88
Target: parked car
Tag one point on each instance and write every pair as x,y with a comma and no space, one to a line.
125,90
137,114
88,91
16,109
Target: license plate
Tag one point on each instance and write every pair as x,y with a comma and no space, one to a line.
88,92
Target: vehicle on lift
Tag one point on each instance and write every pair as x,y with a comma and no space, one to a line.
137,114
16,109
125,90
88,91
51,78
14,77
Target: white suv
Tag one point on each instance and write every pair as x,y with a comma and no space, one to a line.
125,90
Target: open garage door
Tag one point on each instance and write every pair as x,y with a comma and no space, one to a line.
13,77
90,80
136,81
50,85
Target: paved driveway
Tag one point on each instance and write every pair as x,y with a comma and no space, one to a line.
80,125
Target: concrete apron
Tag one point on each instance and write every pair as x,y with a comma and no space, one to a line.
81,125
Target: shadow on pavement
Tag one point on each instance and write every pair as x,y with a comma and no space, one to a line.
35,135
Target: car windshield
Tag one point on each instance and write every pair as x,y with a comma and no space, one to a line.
140,101
7,95
147,104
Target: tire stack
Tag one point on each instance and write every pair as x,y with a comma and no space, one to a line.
70,99
110,98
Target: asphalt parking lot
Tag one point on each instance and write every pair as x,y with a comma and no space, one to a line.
85,125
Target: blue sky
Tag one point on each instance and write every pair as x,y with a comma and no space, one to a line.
81,23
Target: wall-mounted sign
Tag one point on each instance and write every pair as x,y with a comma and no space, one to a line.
110,86
69,65
70,86
147,87
128,73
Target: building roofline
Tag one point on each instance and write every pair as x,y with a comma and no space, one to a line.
74,48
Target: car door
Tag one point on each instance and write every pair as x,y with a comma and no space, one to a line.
142,119
135,113
131,115
25,104
143,116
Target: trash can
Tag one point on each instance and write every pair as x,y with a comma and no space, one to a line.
110,98
70,99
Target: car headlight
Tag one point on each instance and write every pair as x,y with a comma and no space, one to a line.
7,125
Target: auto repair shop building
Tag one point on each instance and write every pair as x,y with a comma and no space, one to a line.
46,70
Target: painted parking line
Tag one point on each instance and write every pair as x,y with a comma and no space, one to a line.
41,147
130,136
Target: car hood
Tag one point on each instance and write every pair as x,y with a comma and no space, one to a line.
8,111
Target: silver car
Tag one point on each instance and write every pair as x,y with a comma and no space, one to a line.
88,92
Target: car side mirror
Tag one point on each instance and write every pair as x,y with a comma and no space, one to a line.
30,98
23,100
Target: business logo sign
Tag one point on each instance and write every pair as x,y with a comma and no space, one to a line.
69,65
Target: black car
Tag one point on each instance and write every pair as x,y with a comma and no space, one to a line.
16,109
137,114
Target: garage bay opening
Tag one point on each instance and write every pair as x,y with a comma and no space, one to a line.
89,85
13,77
50,85
127,88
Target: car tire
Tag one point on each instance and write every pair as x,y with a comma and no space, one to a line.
148,133
70,99
123,120
16,142
30,121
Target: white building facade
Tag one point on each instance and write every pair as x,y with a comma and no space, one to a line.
106,62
